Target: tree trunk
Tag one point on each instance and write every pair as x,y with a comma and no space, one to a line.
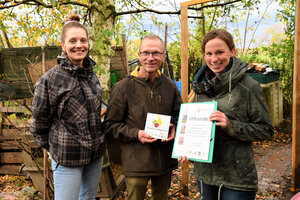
102,18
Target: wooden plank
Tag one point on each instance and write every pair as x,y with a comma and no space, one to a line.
11,134
18,102
194,2
296,103
116,60
11,157
12,169
16,121
15,109
9,145
117,48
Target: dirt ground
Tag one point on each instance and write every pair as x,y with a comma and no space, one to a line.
273,161
274,171
274,164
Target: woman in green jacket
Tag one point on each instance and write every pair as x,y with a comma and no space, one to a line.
242,118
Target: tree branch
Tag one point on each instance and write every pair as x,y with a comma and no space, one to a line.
148,10
11,6
38,3
174,12
214,5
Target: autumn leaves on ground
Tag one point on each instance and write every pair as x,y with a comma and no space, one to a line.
273,161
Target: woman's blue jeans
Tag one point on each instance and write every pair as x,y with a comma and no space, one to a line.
72,183
211,192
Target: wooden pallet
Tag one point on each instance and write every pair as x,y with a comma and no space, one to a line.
13,123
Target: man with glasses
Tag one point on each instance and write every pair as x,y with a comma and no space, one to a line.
146,90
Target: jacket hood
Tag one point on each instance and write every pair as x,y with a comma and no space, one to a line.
85,71
224,82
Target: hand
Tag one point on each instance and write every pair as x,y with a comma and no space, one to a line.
171,135
145,138
219,117
183,159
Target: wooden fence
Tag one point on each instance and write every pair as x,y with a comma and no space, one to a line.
16,63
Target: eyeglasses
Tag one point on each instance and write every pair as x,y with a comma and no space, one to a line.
155,54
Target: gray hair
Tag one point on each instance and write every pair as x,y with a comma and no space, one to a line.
152,37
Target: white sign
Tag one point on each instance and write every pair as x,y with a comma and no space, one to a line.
157,125
195,132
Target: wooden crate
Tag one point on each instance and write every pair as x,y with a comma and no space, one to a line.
34,165
273,96
13,118
118,61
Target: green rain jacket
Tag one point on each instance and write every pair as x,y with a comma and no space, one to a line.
242,100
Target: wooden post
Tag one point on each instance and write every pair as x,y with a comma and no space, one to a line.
45,174
165,64
125,62
194,2
43,62
44,150
184,84
296,103
184,54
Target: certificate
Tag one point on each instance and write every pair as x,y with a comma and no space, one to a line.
157,125
195,133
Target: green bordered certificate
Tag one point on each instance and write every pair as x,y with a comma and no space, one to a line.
195,133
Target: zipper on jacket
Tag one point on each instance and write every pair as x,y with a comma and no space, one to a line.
152,101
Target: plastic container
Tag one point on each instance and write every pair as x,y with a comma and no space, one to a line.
264,78
114,76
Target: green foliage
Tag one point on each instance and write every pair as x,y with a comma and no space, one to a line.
280,54
103,41
29,25
174,52
99,70
33,25
102,48
284,50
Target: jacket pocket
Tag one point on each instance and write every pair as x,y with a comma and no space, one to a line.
244,162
